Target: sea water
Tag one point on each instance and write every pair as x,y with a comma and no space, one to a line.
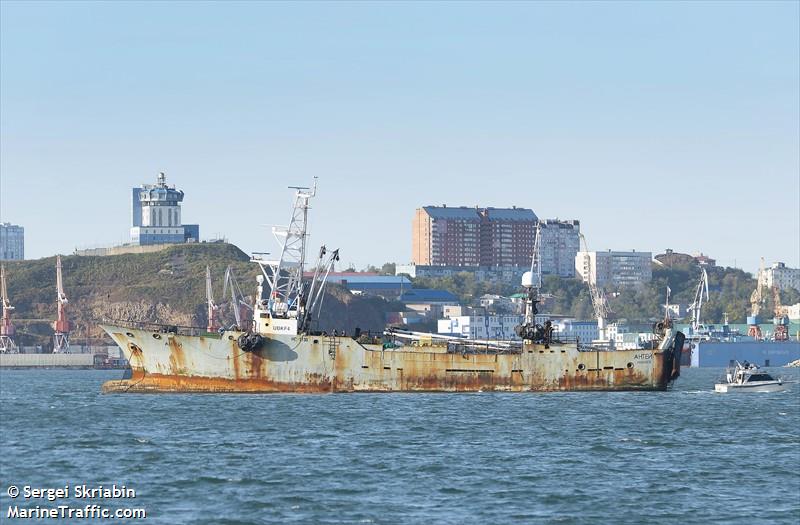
687,455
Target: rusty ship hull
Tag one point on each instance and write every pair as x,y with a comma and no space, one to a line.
210,363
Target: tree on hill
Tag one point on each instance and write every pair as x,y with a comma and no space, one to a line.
465,286
729,290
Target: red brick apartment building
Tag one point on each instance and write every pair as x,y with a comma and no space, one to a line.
463,236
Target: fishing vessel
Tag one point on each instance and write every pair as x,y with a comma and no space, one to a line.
748,377
281,351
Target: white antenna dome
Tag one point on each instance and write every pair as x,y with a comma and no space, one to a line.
527,279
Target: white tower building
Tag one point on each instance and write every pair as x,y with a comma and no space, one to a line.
156,215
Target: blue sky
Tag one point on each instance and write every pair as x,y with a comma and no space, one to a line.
658,125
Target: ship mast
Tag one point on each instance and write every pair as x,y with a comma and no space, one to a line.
62,325
285,309
7,330
532,282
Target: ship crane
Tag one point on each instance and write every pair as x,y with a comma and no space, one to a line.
756,300
599,301
697,305
62,326
239,306
7,330
213,325
313,296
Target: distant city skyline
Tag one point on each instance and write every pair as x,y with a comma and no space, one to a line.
657,125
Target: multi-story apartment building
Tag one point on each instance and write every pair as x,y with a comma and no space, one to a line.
559,243
782,277
443,236
12,242
614,268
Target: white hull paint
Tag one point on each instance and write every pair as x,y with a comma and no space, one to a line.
771,386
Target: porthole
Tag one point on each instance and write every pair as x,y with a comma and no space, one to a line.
581,367
129,334
156,336
630,365
230,338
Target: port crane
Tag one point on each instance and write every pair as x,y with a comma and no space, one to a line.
599,301
213,324
781,320
7,330
756,300
697,305
62,326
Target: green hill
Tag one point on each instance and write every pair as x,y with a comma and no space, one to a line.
161,287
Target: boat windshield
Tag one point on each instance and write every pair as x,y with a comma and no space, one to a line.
760,377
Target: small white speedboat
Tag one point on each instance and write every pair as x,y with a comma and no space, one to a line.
748,377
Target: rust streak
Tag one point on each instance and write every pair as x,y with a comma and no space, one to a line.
192,364
177,360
